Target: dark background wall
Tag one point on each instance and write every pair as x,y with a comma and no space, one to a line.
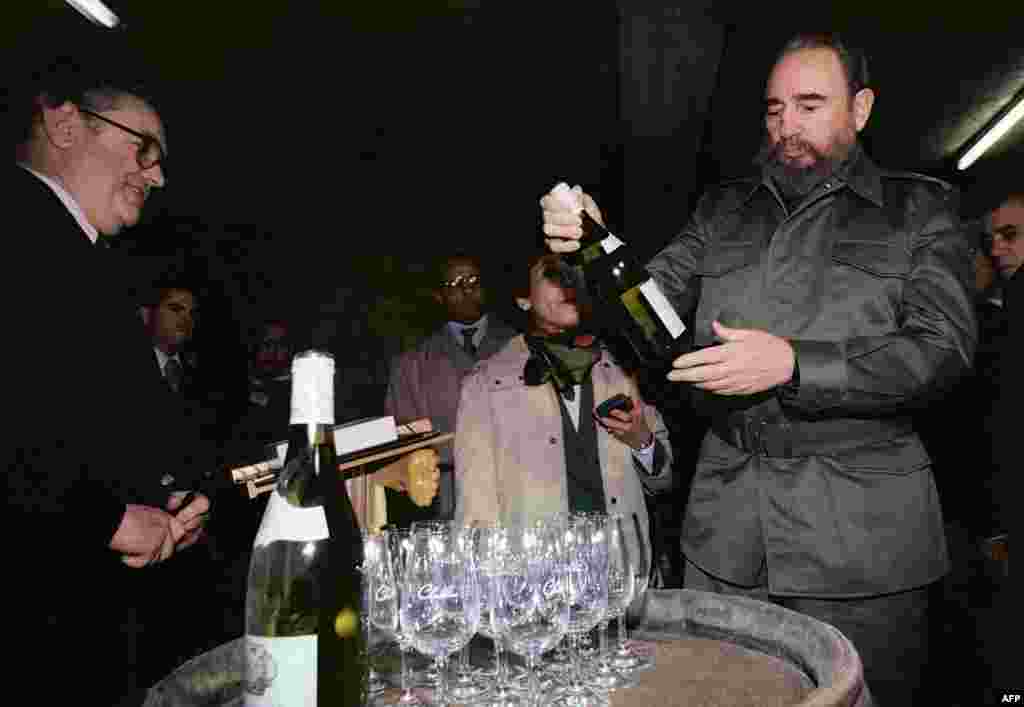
323,152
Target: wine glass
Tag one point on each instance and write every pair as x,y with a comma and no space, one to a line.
373,573
494,548
399,545
586,539
440,597
628,656
428,677
466,687
530,593
621,583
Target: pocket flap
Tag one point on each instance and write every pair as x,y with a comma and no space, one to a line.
875,257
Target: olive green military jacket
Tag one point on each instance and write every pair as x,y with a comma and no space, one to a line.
821,487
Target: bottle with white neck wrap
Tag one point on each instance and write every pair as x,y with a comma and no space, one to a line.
627,301
302,618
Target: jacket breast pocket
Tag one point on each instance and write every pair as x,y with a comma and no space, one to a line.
726,259
729,274
865,288
876,258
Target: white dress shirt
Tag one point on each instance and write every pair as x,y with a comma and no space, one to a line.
480,325
162,359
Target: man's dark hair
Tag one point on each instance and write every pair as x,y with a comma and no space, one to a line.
98,85
158,290
852,59
1015,196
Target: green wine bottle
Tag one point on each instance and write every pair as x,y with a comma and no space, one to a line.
626,300
304,644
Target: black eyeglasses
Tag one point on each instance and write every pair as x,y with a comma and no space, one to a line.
149,153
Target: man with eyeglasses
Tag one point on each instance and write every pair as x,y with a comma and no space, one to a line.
85,449
425,381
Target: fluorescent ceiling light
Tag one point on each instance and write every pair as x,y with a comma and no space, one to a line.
96,11
993,133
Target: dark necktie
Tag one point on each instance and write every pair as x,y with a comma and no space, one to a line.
173,374
467,341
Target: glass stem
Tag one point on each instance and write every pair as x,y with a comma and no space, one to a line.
464,663
403,650
371,674
442,681
604,665
499,665
577,663
531,670
623,636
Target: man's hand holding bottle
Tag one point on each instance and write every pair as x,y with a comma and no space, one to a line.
561,210
745,362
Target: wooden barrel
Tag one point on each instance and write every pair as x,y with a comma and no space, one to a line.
738,651
710,651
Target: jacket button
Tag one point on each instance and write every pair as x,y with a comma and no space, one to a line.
497,382
614,501
553,440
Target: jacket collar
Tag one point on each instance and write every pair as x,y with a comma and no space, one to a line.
442,343
863,177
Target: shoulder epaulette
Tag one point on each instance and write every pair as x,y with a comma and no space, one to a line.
917,176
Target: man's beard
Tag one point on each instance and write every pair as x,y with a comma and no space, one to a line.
795,181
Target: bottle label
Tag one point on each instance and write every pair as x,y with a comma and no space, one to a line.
663,308
610,244
283,521
280,671
646,298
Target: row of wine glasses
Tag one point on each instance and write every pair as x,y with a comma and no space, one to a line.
526,588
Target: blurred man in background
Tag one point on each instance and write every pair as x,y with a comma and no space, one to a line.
425,381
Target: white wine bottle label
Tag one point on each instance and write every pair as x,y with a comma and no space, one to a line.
661,306
280,671
283,521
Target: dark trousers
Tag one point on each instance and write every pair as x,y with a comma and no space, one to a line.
890,632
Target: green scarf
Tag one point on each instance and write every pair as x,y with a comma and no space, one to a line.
564,360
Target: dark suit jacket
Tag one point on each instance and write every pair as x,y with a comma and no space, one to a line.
1006,423
84,437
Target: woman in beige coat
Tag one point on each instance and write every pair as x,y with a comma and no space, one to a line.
528,442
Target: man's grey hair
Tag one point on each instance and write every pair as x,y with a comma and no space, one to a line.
97,88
